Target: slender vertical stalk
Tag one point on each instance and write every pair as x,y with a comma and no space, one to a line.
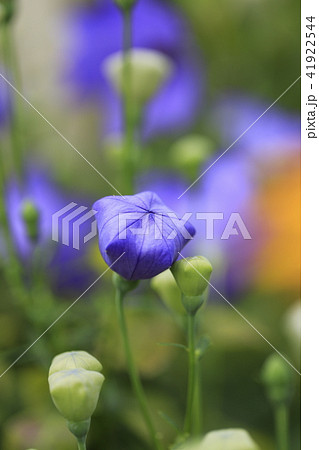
128,107
281,419
81,443
133,373
12,270
15,125
197,422
191,372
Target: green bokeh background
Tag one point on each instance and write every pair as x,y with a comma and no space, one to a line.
248,45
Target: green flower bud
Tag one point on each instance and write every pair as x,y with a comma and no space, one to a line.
277,377
148,68
75,393
165,286
190,152
125,4
192,275
122,284
232,439
75,360
292,330
30,217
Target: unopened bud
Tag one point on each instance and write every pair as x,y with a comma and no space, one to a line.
165,286
190,152
292,329
192,275
148,71
232,439
74,360
277,377
30,215
75,393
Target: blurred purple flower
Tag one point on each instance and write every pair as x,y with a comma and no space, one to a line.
96,32
276,135
38,189
231,184
226,188
143,230
65,263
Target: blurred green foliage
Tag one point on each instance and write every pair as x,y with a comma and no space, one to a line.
250,45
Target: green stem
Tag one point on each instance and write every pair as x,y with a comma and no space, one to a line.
15,125
281,418
12,267
191,372
197,428
81,443
128,107
134,376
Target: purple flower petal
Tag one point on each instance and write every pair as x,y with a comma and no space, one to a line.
142,232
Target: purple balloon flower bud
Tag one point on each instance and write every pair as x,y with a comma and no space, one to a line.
139,235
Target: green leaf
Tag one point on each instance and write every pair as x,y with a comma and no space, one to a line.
173,344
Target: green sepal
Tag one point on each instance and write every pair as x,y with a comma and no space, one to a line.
192,303
122,284
79,429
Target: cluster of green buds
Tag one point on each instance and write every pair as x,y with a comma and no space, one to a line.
75,383
7,9
192,277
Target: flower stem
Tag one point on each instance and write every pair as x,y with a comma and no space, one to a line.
81,443
134,376
281,419
191,372
15,126
12,267
128,107
197,426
